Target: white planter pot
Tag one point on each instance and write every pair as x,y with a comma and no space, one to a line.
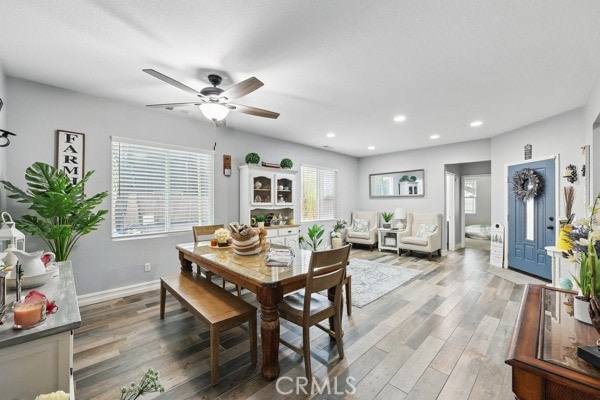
580,310
336,243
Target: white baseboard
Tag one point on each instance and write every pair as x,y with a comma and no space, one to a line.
111,294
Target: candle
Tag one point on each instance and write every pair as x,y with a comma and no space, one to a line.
28,313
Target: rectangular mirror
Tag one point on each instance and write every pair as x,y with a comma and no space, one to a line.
398,184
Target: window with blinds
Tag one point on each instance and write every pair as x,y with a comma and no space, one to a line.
159,188
318,193
470,196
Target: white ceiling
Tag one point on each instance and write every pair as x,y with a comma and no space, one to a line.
343,66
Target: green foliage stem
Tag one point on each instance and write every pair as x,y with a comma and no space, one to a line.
315,237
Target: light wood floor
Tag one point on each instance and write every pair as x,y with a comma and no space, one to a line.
442,336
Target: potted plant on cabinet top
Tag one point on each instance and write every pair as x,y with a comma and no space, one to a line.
286,163
585,238
252,158
64,212
387,217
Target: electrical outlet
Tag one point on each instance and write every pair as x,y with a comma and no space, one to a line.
147,267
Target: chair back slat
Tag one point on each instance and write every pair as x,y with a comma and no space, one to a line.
326,270
204,230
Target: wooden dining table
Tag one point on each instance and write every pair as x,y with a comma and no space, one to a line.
251,272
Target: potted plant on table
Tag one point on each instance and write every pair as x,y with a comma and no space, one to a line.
387,217
585,238
336,233
64,212
315,237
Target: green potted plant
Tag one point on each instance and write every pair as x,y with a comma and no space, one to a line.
286,163
387,217
260,220
336,233
252,158
315,237
585,247
64,212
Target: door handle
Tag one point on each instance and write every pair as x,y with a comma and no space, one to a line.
551,227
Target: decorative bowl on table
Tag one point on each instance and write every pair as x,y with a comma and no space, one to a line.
33,280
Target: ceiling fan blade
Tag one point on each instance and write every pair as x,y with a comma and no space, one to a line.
173,82
259,112
241,89
171,105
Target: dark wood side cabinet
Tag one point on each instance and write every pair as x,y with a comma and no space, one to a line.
543,352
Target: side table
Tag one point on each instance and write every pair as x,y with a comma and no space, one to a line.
388,239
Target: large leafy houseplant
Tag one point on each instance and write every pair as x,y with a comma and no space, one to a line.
64,212
315,237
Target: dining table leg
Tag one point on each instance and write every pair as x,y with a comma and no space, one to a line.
186,265
269,299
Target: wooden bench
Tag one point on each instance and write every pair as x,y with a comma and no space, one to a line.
213,305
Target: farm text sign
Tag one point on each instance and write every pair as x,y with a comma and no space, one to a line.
70,152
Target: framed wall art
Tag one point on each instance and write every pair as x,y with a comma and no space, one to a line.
70,154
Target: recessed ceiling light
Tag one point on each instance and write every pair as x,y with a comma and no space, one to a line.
434,136
399,118
476,123
371,147
330,135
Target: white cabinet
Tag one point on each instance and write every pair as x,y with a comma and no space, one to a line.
265,191
286,236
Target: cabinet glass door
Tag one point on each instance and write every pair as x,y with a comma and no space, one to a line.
262,189
284,190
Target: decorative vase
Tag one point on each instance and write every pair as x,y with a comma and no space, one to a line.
580,310
336,242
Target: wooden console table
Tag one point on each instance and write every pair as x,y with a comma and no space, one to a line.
543,352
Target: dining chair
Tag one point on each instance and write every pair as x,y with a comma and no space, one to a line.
327,270
207,232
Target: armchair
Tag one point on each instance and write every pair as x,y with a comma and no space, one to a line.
423,233
363,229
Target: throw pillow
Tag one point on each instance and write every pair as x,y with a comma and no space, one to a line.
424,230
360,225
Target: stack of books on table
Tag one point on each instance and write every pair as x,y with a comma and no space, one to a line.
283,257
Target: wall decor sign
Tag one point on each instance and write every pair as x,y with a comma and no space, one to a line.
528,150
70,154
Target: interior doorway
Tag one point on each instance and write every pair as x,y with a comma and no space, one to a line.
450,211
477,211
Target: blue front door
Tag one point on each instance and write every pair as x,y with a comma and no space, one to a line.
531,224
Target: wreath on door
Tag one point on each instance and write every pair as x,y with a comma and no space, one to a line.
527,184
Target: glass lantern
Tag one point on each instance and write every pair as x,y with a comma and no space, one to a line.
9,234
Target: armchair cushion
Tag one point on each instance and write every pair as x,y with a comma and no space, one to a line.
361,235
419,241
360,225
425,229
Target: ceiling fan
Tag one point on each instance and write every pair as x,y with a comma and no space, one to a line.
215,103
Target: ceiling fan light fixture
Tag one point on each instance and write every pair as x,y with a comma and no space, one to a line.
214,111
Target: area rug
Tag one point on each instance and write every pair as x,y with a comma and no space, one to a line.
371,280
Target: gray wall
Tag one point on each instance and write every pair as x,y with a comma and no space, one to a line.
3,150
560,135
37,110
432,160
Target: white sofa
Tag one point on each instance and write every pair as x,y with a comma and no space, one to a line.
359,232
423,233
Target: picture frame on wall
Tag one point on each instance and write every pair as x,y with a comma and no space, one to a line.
70,154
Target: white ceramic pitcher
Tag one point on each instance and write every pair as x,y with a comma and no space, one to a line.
32,262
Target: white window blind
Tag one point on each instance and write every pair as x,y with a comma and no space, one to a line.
470,196
159,188
319,200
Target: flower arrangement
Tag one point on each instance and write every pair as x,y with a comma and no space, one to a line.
585,239
339,226
222,235
59,395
